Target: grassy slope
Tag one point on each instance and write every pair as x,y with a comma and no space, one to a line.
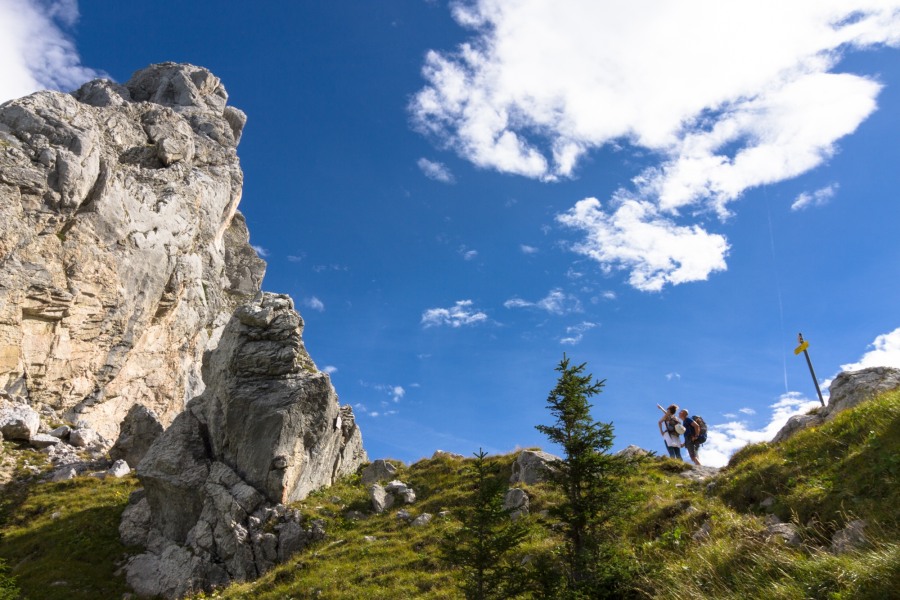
60,540
820,479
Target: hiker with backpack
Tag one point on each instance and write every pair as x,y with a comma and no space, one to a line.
670,429
694,434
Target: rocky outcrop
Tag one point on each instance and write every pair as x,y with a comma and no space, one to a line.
266,431
122,254
848,389
138,431
532,466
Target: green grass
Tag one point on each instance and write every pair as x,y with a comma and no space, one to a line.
61,540
819,479
847,468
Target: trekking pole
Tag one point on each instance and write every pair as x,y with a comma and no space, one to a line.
802,348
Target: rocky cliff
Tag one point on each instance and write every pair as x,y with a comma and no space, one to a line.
122,254
124,266
266,431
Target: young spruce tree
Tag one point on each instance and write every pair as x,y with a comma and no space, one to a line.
592,482
482,546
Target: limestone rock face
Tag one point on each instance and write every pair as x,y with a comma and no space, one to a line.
122,254
266,431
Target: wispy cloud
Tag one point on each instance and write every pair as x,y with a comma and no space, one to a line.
36,50
262,252
820,197
435,170
575,333
295,258
314,303
330,369
746,411
673,376
540,84
526,249
331,267
460,314
556,302
467,253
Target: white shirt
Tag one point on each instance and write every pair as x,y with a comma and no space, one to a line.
671,440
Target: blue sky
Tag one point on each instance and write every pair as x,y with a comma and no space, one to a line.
455,195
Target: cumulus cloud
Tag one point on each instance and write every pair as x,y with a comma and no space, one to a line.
883,352
461,313
817,198
36,52
724,95
637,237
575,333
314,303
556,302
727,438
435,170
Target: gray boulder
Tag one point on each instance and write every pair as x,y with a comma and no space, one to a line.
532,466
138,431
422,520
380,499
379,470
849,538
18,421
516,502
786,532
84,437
119,469
854,387
43,440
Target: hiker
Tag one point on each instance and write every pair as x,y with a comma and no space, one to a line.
670,429
691,434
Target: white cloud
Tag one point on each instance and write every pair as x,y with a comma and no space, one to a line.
526,249
575,333
540,84
262,252
817,198
36,52
555,302
314,303
653,247
330,369
435,170
727,438
467,253
746,411
884,352
461,313
295,258
673,375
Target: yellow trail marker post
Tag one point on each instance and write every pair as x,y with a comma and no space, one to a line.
802,348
